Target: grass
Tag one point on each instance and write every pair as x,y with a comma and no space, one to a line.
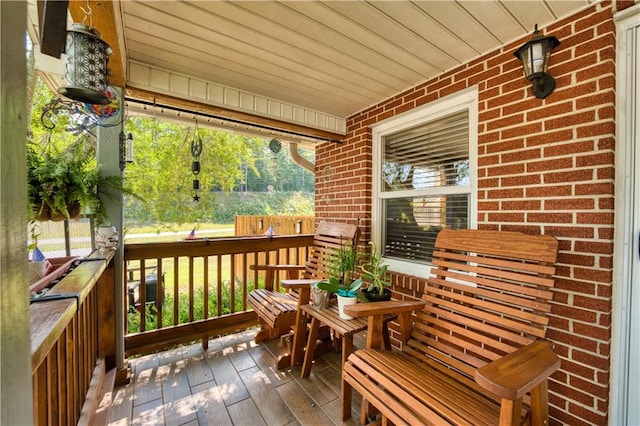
151,319
197,278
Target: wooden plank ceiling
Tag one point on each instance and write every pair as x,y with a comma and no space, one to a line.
338,57
329,58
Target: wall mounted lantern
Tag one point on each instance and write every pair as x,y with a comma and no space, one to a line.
534,55
125,149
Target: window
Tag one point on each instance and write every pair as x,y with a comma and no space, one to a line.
424,179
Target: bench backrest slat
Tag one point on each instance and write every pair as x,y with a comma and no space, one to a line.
328,239
486,300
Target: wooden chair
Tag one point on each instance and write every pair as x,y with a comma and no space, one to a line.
277,310
474,352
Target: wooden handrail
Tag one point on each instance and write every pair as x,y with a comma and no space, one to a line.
72,334
213,270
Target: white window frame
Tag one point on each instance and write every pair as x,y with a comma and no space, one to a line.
467,99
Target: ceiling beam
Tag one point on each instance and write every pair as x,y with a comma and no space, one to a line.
52,21
103,19
225,113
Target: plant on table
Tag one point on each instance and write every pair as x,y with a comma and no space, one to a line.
374,272
341,267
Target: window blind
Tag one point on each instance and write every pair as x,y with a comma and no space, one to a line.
430,162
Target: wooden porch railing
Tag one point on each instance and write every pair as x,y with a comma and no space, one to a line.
73,346
198,287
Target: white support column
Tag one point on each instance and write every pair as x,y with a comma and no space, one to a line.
109,165
16,400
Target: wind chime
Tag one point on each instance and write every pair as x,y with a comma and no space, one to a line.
196,150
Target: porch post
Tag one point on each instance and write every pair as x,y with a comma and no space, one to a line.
16,400
109,165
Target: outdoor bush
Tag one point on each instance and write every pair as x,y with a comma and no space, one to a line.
151,319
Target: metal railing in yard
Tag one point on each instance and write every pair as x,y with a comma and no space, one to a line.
184,291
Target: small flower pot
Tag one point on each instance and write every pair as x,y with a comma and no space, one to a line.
342,302
376,297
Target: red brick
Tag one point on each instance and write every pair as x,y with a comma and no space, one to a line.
550,217
550,164
569,204
521,205
595,218
521,180
603,128
510,169
549,191
506,217
594,189
570,148
549,137
572,176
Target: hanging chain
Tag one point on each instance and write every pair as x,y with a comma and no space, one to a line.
196,150
88,13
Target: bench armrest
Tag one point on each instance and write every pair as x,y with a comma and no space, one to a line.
277,267
272,270
298,284
517,373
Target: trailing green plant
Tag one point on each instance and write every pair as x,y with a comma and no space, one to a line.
374,271
63,182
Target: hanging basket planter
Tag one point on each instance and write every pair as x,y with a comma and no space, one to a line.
46,213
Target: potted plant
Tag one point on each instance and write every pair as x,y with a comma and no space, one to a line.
374,272
341,266
64,183
347,293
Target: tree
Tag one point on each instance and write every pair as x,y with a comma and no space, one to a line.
161,172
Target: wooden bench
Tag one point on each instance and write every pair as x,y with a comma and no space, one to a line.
277,310
474,351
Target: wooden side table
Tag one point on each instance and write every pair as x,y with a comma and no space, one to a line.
343,329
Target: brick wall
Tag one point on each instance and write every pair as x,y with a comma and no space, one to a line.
545,166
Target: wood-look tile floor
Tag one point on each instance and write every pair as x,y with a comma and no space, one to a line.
235,382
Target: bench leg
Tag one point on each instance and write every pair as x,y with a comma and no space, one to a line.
510,412
539,404
345,397
265,332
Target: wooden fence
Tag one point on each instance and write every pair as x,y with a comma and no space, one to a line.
282,225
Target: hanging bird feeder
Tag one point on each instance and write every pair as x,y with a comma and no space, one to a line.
85,68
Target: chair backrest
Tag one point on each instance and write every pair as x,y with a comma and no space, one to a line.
328,238
488,294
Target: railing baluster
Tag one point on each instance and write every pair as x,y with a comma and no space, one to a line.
176,271
190,288
219,285
142,291
205,286
232,283
159,292
245,267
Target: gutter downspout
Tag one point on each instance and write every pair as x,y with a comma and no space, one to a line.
299,160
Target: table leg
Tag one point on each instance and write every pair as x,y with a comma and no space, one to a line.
347,347
299,331
311,347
